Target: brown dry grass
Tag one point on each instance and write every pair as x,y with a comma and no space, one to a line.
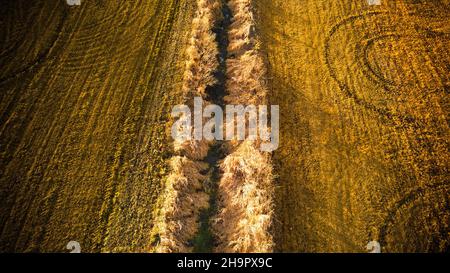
184,196
182,201
245,68
245,192
202,53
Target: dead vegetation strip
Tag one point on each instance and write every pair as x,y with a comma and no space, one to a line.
184,196
245,193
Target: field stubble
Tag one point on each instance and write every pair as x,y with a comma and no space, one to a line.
85,93
363,92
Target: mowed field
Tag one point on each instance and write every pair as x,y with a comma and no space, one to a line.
363,93
85,95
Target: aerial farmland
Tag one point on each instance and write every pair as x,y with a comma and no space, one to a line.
358,93
364,152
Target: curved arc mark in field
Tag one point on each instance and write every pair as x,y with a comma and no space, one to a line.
372,74
13,47
43,55
377,75
407,199
333,73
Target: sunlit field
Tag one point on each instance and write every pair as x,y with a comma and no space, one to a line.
87,155
364,130
85,95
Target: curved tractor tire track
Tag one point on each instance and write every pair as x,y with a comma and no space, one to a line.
397,210
374,75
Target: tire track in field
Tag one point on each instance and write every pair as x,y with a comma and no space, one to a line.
397,210
11,33
54,176
101,109
12,30
9,97
50,52
11,145
11,148
375,74
120,143
93,45
60,135
386,87
41,56
333,72
113,187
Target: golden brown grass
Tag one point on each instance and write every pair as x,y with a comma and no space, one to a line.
202,53
245,195
245,192
184,196
245,68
